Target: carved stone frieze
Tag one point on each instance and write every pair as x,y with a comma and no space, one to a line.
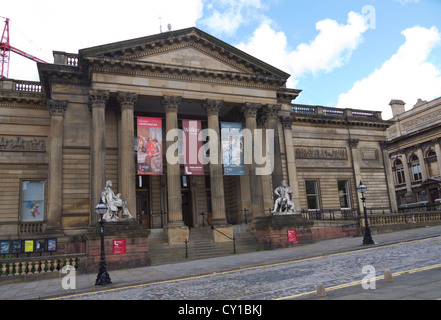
22,144
321,153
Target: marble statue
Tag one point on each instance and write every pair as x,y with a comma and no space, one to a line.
114,204
284,203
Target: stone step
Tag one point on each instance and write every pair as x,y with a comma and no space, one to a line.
200,246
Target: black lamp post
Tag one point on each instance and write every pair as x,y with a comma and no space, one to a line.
103,277
367,238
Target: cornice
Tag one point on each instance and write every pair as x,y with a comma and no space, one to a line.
341,121
176,72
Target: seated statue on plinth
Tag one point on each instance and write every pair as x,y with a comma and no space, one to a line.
114,204
284,203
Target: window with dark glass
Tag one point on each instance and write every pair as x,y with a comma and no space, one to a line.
312,194
399,171
416,168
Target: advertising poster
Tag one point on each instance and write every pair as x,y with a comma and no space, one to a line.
119,246
149,146
28,246
292,235
191,129
232,149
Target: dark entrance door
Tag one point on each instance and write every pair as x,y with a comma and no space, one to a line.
187,215
142,208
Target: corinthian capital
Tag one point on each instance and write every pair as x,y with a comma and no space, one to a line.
171,103
127,100
57,107
212,107
98,98
250,109
271,111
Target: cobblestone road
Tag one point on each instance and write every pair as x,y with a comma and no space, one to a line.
286,279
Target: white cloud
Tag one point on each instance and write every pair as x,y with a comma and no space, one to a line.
226,16
407,76
331,48
403,2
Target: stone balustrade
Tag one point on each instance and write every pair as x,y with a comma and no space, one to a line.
424,218
335,112
25,266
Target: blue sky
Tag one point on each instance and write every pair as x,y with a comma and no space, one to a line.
343,53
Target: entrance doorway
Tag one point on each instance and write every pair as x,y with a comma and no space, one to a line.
187,214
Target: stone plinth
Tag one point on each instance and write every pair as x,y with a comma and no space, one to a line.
177,234
225,236
272,231
136,245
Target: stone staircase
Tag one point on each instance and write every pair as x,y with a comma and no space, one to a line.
200,246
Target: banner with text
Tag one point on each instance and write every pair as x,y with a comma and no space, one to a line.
191,129
232,149
149,147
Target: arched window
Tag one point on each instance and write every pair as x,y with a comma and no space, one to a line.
399,171
416,168
430,154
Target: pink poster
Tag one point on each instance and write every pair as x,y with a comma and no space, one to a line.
149,148
191,129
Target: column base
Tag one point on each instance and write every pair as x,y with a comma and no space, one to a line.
177,234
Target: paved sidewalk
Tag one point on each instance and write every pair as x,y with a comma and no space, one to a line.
47,288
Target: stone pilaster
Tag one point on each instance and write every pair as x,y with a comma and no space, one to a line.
127,101
97,104
176,230
271,112
291,160
353,145
257,206
57,109
389,177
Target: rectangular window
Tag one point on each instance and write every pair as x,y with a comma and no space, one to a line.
400,176
343,193
312,194
416,170
32,201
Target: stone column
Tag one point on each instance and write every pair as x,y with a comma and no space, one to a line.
422,163
219,218
406,168
57,110
390,182
291,161
257,208
176,230
271,112
97,103
127,102
438,153
353,145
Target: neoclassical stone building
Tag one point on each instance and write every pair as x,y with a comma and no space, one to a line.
413,143
104,113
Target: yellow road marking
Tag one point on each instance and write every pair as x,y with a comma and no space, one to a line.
350,284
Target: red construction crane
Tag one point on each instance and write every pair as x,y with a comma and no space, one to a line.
5,50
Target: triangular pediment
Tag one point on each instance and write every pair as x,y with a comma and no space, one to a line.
186,48
193,57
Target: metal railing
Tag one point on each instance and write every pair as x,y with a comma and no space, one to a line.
204,217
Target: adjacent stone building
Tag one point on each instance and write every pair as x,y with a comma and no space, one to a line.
413,144
84,123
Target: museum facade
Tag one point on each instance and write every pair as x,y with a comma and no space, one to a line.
106,112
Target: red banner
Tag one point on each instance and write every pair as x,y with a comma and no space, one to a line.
149,148
191,129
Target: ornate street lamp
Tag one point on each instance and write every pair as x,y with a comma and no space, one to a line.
367,238
103,277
